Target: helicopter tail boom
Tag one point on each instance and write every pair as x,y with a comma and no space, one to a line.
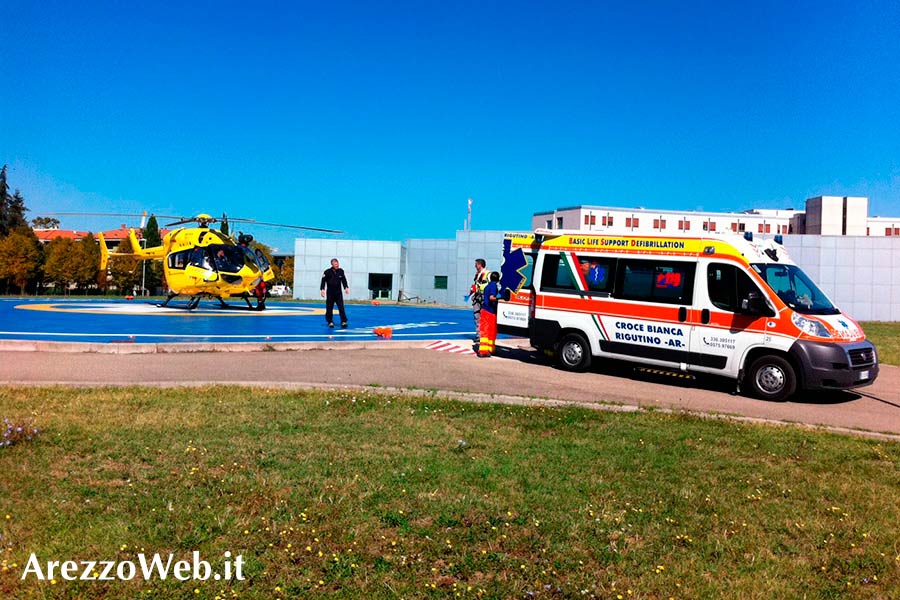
156,252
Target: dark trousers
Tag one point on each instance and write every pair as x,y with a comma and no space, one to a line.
330,301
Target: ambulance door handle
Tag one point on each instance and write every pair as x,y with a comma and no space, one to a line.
704,316
682,314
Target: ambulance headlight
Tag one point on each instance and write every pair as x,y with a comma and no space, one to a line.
810,326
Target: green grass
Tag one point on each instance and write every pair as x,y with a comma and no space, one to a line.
886,337
365,495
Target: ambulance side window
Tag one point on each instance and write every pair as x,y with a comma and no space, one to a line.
597,273
656,281
727,285
556,276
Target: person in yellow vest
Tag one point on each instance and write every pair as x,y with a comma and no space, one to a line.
476,294
488,333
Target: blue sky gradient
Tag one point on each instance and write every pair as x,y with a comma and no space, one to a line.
383,118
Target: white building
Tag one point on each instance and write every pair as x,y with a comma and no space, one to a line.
824,215
616,220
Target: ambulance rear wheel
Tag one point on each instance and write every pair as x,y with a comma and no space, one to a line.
771,378
574,353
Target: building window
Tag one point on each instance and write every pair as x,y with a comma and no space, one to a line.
742,227
559,222
659,224
593,219
684,225
712,225
734,227
440,282
760,227
896,230
587,220
549,223
705,225
768,228
887,231
635,222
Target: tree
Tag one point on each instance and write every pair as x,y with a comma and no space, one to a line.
20,257
151,233
152,270
17,209
87,263
60,263
287,271
124,271
45,223
12,208
4,202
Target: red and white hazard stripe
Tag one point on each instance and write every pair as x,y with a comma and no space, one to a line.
450,347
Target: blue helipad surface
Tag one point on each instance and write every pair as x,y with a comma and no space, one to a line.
140,321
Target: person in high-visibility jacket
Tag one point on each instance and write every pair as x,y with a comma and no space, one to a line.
488,327
476,293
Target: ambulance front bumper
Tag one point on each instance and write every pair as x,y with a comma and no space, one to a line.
835,366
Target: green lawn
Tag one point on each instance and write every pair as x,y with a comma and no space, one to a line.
374,496
886,337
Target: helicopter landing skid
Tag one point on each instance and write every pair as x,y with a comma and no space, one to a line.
194,302
191,305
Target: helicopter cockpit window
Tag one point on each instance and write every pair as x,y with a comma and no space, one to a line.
200,258
179,260
228,259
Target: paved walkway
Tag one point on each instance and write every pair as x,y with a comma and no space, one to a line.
515,375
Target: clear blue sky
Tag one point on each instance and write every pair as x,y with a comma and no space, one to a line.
383,118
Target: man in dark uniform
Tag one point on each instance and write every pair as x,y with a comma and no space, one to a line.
332,282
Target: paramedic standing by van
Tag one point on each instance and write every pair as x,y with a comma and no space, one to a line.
482,277
488,331
332,281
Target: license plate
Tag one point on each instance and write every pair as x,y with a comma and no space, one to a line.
863,375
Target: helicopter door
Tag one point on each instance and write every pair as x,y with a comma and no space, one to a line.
263,261
200,267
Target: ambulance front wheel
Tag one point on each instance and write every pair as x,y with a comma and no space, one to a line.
771,378
574,353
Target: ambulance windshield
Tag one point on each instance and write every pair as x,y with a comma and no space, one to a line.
796,289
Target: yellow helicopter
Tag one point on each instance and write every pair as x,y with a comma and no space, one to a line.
202,262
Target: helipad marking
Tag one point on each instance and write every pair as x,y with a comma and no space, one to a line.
166,311
450,347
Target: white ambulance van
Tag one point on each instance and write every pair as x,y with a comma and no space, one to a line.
727,305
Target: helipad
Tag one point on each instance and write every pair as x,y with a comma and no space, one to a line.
139,321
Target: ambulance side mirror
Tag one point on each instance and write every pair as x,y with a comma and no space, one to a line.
755,304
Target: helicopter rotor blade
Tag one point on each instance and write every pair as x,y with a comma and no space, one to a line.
182,220
303,227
